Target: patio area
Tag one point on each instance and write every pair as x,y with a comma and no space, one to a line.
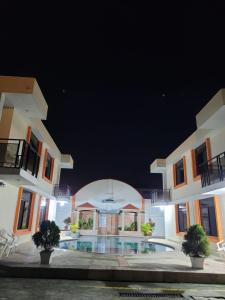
173,261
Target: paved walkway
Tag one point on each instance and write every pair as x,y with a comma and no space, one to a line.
175,261
51,289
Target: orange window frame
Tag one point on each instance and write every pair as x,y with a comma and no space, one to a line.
176,186
178,232
44,168
16,219
39,211
193,156
219,236
29,131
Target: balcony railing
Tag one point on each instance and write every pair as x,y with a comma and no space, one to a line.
156,196
17,154
213,170
62,190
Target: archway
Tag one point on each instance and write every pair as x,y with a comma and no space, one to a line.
108,207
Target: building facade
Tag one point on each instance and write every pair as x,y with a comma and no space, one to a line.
195,175
30,161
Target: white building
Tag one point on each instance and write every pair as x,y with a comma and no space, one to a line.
30,161
195,175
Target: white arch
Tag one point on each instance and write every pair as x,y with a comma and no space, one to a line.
99,190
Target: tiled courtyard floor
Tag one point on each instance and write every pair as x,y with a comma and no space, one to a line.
174,261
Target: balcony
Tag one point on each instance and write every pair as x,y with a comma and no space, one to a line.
156,196
213,170
19,162
62,191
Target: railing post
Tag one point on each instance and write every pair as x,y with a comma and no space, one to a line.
17,153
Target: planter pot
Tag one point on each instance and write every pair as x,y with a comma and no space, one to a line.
75,235
45,257
197,262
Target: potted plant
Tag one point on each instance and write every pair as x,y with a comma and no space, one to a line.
196,245
73,229
47,237
147,228
67,222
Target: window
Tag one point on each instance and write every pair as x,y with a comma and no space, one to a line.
200,155
179,174
182,217
208,216
48,166
25,210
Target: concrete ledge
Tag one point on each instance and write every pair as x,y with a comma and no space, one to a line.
122,274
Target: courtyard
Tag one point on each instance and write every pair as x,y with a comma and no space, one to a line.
27,256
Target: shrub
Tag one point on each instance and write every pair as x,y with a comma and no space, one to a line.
73,228
86,225
48,236
147,228
195,242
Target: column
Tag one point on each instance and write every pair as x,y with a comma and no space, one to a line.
122,220
94,219
139,221
77,217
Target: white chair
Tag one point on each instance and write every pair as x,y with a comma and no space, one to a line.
221,246
3,245
9,243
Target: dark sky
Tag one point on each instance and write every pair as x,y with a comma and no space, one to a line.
123,79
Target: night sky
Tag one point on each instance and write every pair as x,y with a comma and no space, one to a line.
123,79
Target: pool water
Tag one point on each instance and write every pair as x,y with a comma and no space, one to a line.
113,245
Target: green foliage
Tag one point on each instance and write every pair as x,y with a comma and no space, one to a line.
86,225
119,228
73,228
147,228
48,236
67,221
131,227
196,243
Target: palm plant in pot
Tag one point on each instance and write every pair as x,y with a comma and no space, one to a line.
196,245
47,237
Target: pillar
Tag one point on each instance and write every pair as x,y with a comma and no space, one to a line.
139,221
122,220
77,217
94,219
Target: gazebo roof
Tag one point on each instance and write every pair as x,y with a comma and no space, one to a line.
130,206
87,205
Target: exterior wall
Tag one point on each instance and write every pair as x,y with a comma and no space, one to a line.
14,124
5,122
212,131
63,211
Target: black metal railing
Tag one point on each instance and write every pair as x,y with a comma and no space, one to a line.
213,170
62,190
156,196
17,153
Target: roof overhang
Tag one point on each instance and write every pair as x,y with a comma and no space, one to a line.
158,166
66,161
25,95
212,116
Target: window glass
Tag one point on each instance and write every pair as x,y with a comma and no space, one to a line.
179,167
48,166
208,216
24,214
200,157
182,217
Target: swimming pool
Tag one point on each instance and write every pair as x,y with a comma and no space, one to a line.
113,245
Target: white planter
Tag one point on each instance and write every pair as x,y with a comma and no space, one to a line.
197,262
45,257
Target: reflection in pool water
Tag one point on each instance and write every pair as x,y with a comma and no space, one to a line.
113,245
